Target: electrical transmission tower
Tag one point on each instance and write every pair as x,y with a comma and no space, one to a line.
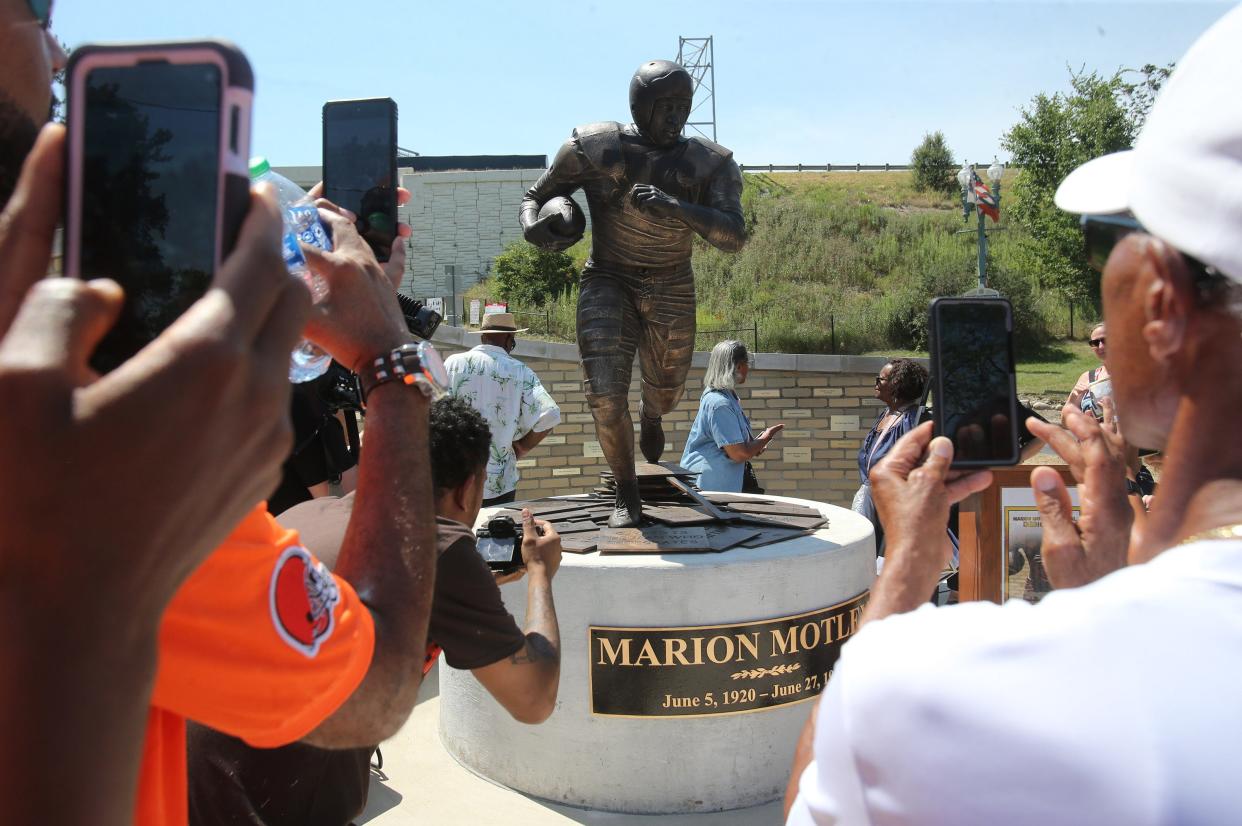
695,55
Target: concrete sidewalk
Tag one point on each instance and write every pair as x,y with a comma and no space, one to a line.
423,786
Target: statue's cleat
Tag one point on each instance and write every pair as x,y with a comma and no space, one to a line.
628,512
651,439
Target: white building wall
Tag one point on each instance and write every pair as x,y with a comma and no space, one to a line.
460,220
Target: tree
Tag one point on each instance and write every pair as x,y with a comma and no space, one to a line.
933,164
1056,134
529,277
1141,94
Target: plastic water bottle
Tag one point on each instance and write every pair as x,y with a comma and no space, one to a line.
301,221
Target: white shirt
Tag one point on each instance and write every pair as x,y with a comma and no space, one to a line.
510,397
1116,703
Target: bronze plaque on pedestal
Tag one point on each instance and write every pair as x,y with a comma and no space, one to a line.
653,539
776,508
693,671
724,537
676,515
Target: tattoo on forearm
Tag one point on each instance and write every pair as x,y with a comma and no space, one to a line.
538,649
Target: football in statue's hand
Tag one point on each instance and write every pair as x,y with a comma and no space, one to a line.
569,220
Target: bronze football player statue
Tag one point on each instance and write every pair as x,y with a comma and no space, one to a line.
650,191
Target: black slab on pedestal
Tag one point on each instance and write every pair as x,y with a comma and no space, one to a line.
677,517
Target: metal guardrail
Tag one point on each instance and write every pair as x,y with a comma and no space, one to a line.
830,167
825,167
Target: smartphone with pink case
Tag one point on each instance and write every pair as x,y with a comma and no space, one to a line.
157,179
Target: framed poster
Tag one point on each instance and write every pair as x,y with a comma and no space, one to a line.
986,534
1023,575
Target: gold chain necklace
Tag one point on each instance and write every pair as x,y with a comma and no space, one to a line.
1233,531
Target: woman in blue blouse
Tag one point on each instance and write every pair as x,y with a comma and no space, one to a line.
720,443
900,386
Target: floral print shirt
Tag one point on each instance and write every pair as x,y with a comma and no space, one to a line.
510,397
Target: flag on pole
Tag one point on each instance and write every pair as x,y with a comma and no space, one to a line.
983,197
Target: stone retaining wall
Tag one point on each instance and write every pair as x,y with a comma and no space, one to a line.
826,402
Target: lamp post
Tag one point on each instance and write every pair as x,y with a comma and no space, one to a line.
965,178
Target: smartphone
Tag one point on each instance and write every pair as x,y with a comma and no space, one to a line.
973,379
360,166
157,183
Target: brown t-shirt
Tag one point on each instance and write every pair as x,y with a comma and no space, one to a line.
230,782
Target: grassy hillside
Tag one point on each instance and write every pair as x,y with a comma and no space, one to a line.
862,252
1048,371
859,252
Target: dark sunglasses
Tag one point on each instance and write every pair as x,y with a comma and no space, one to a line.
1095,342
1101,233
880,380
42,11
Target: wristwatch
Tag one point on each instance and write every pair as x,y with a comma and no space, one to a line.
412,363
1132,488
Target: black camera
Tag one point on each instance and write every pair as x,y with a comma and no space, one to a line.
339,390
500,543
506,527
420,320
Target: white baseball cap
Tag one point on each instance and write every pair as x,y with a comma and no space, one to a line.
1183,178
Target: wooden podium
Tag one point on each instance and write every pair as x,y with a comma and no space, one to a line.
981,533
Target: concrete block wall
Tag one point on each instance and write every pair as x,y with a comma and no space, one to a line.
459,219
826,402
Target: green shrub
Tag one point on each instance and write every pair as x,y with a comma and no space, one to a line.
528,276
933,165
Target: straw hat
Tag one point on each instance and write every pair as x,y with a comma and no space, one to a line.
500,323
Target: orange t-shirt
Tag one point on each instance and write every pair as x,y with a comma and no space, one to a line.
261,642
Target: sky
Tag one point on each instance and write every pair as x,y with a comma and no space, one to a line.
797,81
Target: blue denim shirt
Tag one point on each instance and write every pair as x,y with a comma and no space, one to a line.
876,446
720,421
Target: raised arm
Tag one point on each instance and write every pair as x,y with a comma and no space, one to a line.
114,488
719,222
389,550
526,683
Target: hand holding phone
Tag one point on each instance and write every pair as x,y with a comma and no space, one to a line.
916,506
157,182
360,318
541,544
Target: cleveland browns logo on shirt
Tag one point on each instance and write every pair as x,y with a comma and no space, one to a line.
303,596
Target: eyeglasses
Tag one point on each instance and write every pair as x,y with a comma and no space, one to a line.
42,11
880,380
1096,342
1100,233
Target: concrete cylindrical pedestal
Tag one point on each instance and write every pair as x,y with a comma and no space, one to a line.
650,765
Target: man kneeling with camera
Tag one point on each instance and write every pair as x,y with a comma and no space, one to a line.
230,782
